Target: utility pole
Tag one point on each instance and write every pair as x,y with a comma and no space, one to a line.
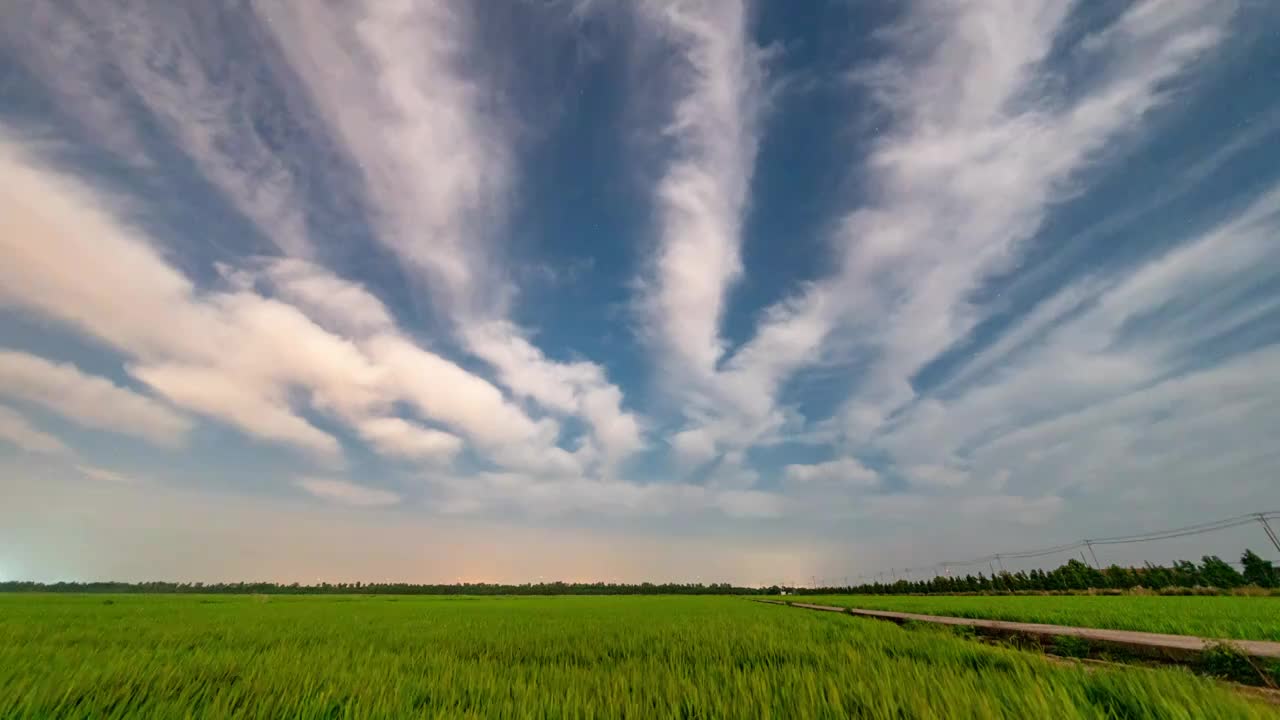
1089,544
1271,534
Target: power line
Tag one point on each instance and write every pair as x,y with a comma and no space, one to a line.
1271,534
1088,543
1179,532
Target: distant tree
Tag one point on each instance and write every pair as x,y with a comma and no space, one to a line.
1186,574
1258,571
1120,577
1075,575
1215,572
1155,577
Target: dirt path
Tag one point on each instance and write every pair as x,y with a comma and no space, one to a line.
1180,647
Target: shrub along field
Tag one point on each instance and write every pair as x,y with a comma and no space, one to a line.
639,657
1234,617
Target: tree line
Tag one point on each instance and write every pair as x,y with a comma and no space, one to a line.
375,588
1211,572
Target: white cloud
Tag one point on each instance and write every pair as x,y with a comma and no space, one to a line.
338,305
575,388
844,471
221,395
238,346
1117,393
15,429
739,408
1163,440
132,287
88,400
438,388
389,80
968,177
394,436
104,475
982,139
703,195
52,43
551,497
694,447
980,147
237,356
733,471
220,112
617,432
134,302
393,91
441,389
175,62
929,509
347,493
396,85
937,476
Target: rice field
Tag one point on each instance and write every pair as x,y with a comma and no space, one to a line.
633,657
1232,617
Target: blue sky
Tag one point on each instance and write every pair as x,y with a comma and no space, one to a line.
754,292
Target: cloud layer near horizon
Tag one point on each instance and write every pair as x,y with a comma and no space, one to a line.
388,270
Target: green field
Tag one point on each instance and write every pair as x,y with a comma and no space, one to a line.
1235,617
640,657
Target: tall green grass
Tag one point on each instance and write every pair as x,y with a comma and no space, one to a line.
689,657
1231,617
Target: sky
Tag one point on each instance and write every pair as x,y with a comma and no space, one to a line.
713,291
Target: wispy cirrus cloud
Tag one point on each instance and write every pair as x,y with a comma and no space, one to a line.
1048,297
16,429
347,493
400,83
701,199
569,496
982,154
982,144
396,85
1115,391
1103,389
720,89
102,474
573,388
388,80
399,437
233,354
845,471
88,400
53,44
125,70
